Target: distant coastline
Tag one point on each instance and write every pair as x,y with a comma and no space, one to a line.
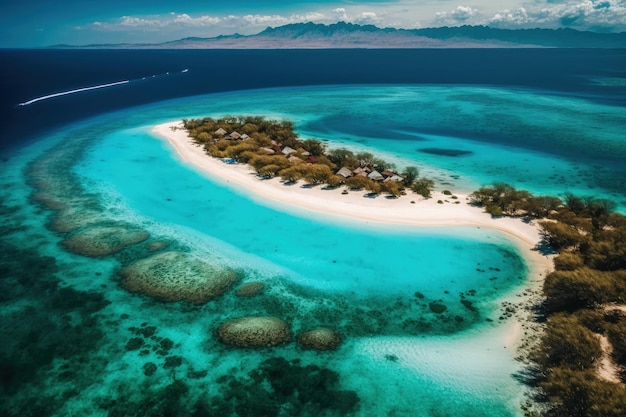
343,35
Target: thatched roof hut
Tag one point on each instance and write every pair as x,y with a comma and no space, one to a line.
235,135
288,151
394,177
376,176
345,172
269,151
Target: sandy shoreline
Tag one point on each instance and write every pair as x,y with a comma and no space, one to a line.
354,206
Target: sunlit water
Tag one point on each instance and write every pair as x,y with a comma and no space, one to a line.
374,284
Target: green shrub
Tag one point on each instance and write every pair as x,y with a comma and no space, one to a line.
580,288
568,261
568,344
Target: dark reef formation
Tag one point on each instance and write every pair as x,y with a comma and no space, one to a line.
445,152
46,340
279,387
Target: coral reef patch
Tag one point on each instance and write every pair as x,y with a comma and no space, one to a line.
319,339
104,240
176,276
250,289
254,332
157,245
74,217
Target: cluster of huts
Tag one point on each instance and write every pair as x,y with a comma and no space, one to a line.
274,149
232,135
372,174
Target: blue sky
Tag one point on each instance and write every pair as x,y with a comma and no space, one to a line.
32,23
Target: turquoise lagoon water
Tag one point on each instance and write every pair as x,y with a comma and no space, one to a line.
373,283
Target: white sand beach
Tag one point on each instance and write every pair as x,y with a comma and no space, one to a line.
411,209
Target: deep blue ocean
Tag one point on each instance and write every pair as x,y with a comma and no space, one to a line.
25,74
103,226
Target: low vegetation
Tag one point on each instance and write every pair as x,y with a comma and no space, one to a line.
273,149
583,297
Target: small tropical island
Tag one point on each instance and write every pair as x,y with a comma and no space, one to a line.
273,149
576,362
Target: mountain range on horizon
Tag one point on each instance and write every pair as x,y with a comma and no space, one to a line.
349,35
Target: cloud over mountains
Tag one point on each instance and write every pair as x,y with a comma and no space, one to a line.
598,15
36,22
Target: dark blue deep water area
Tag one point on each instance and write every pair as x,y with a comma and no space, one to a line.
26,74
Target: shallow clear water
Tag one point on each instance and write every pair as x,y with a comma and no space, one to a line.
398,355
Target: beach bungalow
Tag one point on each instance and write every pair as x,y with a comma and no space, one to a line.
344,172
376,176
269,151
244,137
294,160
387,173
235,135
220,132
288,151
361,171
394,177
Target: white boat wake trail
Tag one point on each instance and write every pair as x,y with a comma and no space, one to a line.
80,90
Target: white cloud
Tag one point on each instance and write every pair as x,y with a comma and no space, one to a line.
585,14
463,13
341,12
460,15
579,14
184,20
516,17
129,21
